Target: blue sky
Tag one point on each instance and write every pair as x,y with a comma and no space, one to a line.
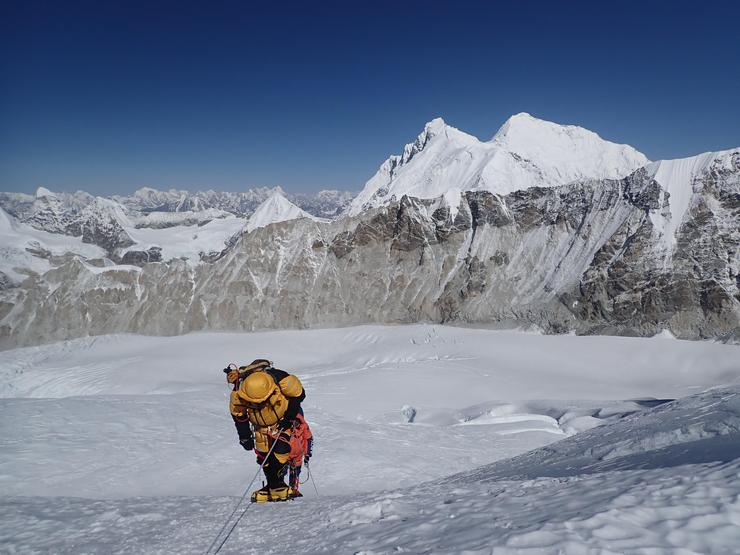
112,96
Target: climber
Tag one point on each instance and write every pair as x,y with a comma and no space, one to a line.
266,408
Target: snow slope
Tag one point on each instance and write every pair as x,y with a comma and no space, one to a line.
676,178
276,208
186,241
156,219
181,241
131,437
525,152
24,248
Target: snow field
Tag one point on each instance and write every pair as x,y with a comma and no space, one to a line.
121,444
693,511
17,238
185,241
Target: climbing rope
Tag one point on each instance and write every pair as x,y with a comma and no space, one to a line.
246,492
310,475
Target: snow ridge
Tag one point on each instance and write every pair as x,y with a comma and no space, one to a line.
525,152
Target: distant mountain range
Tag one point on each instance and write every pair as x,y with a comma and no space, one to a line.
54,212
545,225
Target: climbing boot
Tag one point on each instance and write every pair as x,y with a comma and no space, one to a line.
281,493
262,495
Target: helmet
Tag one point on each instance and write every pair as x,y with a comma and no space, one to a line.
257,387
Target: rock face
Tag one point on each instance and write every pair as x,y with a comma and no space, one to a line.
102,223
688,280
627,256
140,258
45,210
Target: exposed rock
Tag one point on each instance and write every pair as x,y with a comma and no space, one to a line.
488,209
5,283
139,258
100,223
39,252
343,244
588,256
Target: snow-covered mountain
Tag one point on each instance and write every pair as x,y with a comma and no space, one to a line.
46,211
238,203
130,230
102,222
147,207
100,232
679,180
656,249
525,152
276,208
329,203
26,251
326,203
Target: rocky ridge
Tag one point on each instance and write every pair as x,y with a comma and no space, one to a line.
591,256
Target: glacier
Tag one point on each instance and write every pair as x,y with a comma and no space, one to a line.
522,443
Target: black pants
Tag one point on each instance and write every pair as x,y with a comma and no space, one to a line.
274,472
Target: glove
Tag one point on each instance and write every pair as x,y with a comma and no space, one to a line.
232,373
248,443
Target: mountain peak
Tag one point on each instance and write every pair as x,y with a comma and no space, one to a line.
275,208
42,192
525,152
524,125
566,147
523,131
277,191
435,126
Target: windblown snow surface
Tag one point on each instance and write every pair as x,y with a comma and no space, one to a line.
521,443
